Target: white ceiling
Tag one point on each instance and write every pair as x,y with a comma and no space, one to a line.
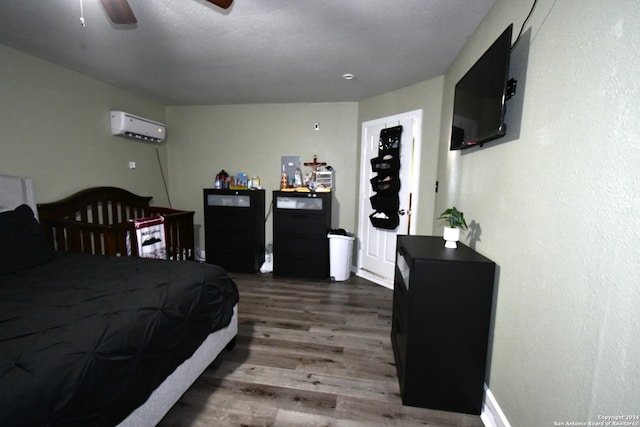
188,52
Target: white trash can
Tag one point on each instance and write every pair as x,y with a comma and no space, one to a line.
340,249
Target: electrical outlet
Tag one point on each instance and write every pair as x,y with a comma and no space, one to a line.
132,165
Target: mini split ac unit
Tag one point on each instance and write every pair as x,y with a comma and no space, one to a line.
125,124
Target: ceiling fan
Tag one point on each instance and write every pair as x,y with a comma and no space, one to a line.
120,12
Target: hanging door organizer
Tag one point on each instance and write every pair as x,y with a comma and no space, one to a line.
386,184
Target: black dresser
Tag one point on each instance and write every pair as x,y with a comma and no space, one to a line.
442,303
234,229
301,222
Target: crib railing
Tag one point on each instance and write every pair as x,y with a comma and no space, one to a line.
97,221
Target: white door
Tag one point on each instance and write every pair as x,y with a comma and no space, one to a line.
377,246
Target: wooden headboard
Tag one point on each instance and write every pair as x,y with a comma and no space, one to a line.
97,220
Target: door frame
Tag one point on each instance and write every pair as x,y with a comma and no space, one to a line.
363,207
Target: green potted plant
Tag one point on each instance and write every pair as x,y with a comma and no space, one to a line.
455,222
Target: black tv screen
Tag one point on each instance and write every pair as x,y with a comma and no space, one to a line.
480,96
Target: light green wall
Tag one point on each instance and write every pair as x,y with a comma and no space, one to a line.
426,96
252,139
55,128
559,209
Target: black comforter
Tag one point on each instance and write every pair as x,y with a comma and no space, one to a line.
84,339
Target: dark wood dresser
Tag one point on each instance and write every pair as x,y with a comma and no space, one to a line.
442,304
301,222
234,229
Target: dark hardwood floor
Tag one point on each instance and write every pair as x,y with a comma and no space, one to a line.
307,354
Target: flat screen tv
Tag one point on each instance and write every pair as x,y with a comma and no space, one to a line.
480,96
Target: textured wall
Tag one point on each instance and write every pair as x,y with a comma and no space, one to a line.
252,139
56,128
558,208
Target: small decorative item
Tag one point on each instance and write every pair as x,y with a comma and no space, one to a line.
456,222
239,182
254,183
297,178
325,177
222,180
314,167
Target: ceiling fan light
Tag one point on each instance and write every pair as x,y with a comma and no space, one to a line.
119,11
348,76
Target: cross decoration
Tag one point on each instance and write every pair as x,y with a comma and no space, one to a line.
314,166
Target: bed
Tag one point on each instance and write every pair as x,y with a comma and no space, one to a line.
100,340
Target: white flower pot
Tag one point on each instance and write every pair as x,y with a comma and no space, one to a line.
452,236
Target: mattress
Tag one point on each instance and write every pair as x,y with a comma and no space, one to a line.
85,339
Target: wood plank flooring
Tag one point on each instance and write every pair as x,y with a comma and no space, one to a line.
307,354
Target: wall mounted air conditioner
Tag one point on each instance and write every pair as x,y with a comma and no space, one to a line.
125,124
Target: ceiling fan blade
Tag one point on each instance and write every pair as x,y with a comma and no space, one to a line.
221,3
119,11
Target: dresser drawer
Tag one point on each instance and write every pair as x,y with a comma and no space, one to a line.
306,244
401,313
228,220
303,223
399,344
231,239
240,261
301,202
299,265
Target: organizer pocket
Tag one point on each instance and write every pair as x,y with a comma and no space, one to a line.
385,202
385,163
390,138
386,220
385,183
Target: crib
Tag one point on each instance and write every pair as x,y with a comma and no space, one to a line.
98,221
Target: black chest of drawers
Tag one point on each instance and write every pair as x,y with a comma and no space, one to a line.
234,229
301,222
442,304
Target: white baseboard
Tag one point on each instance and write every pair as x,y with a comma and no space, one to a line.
492,415
374,278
